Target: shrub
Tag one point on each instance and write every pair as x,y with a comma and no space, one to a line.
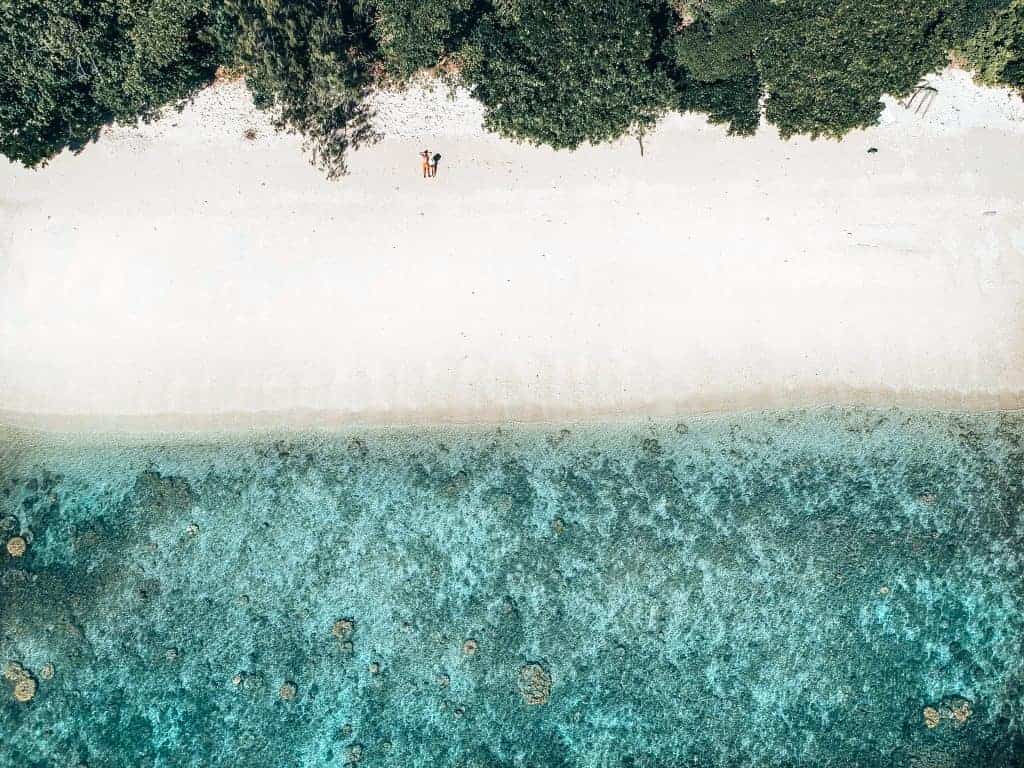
68,67
996,51
312,63
565,73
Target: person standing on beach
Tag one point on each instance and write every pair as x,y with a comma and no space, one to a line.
433,164
425,154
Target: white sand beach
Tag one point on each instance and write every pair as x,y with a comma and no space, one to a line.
181,274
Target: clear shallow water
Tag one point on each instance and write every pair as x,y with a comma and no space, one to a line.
776,590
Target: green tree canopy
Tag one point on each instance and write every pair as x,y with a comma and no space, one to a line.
996,52
558,72
564,73
417,34
68,67
826,65
312,63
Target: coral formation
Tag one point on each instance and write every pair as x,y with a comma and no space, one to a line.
534,684
23,686
343,629
16,546
288,691
25,690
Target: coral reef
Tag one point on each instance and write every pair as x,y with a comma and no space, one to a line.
802,589
534,684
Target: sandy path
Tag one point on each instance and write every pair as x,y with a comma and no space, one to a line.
181,269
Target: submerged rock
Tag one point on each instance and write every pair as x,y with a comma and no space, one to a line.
24,688
954,709
16,546
343,629
534,684
289,691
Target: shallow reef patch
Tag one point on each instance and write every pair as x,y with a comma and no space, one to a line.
822,588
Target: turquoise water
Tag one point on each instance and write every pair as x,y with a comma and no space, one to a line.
800,589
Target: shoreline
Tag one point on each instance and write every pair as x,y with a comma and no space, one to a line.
310,421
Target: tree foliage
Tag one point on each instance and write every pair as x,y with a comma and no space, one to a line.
418,34
565,73
312,63
558,72
996,51
68,67
826,66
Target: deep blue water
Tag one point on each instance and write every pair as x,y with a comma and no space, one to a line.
794,589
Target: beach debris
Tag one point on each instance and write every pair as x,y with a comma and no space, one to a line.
470,647
534,684
192,529
374,668
921,98
24,685
883,590
250,134
16,546
289,691
872,150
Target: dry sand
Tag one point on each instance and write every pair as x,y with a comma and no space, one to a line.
180,274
